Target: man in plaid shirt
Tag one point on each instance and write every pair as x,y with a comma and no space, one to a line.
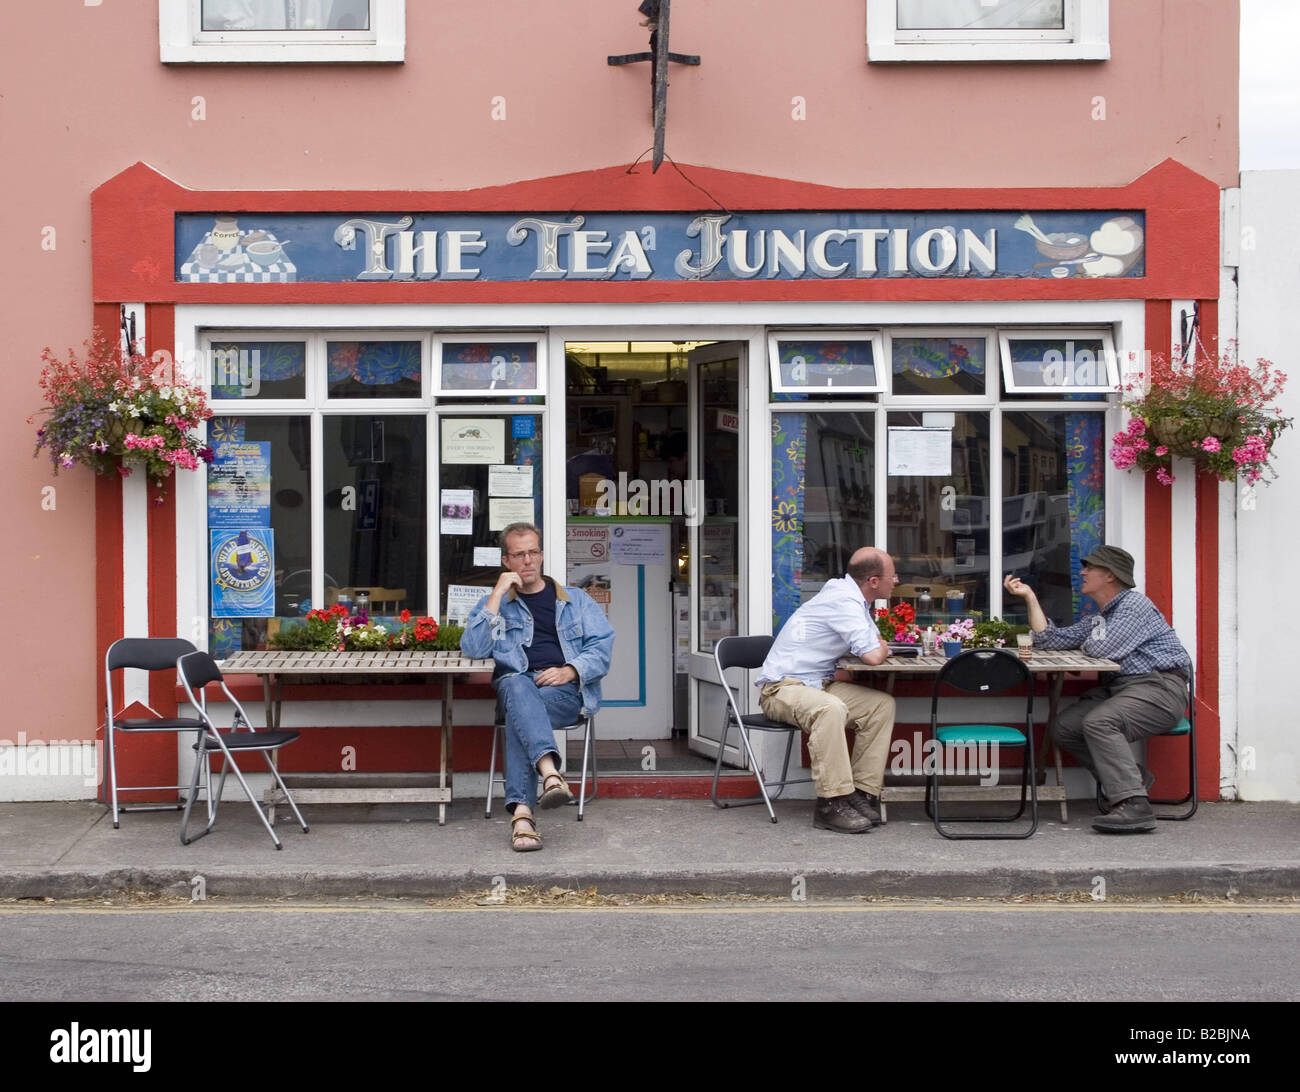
1147,696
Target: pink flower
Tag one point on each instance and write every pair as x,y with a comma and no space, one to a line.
1210,443
1162,451
1137,426
1163,476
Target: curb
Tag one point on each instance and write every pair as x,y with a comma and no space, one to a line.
1211,880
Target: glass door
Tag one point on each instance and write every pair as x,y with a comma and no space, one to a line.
717,541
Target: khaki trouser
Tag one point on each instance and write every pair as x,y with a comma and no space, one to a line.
824,715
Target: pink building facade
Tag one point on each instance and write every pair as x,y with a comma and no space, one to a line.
877,224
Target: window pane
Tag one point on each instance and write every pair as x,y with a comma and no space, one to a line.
286,14
489,366
259,481
375,518
826,365
938,365
469,498
1054,363
1054,506
259,369
823,503
719,470
373,369
981,14
939,525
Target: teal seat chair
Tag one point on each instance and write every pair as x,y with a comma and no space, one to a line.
1185,729
983,672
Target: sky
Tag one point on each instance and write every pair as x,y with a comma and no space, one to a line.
1270,85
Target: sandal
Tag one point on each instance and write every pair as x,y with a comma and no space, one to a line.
555,792
524,841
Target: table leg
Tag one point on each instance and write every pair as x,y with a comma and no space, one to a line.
1055,684
444,765
271,696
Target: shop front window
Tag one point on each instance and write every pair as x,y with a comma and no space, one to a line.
320,490
938,366
258,532
375,514
258,369
952,506
938,512
1054,509
373,369
823,499
490,477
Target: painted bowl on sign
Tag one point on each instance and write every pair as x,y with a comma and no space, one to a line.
266,252
1063,246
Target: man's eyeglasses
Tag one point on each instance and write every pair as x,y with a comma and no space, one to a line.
525,555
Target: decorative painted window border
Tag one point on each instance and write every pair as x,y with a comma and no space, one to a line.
1087,38
1110,363
874,337
183,41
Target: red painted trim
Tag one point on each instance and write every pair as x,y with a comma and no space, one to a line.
134,236
1207,603
638,786
108,559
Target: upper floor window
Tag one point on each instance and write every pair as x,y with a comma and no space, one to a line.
282,30
988,30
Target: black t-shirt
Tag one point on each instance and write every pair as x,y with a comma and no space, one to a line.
545,651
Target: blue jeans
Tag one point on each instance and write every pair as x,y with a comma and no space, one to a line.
531,711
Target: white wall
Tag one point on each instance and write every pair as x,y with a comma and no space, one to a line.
1268,759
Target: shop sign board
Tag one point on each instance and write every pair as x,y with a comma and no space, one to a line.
214,247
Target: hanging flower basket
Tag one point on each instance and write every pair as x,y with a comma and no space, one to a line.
114,413
1214,411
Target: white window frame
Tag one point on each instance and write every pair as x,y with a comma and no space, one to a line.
1109,360
536,338
875,337
182,39
1086,38
988,397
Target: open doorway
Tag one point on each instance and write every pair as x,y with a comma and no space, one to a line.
653,514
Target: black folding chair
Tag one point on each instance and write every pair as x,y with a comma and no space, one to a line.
196,671
983,671
748,653
145,654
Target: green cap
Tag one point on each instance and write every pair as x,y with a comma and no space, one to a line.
1119,562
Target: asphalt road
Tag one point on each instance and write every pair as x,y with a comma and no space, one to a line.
776,951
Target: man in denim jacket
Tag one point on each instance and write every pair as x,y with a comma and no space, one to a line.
552,646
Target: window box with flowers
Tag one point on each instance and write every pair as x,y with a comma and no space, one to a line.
108,411
1215,411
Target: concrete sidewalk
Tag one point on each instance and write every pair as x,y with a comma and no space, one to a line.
70,850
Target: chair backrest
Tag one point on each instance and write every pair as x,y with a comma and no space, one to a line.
983,671
746,652
146,653
197,669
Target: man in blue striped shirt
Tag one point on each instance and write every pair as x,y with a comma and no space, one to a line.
1147,696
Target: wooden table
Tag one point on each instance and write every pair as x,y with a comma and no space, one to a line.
1055,665
274,667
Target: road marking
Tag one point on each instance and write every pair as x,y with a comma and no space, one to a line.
803,908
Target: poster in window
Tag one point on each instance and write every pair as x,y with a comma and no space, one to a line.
473,440
457,506
239,484
243,572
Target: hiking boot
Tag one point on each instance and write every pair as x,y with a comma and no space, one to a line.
865,804
836,813
1148,779
1131,816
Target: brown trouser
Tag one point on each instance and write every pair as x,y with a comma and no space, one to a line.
824,715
